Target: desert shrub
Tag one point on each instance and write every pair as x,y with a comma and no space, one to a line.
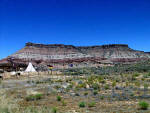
82,85
37,82
95,92
146,86
103,81
117,79
137,83
133,78
91,104
91,79
57,86
143,79
95,86
82,104
67,89
148,74
132,94
136,74
34,97
59,98
100,78
106,86
142,66
101,97
70,86
76,88
143,105
113,83
54,110
77,94
64,103
59,80
145,76
28,81
85,93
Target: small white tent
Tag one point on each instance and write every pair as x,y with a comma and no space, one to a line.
30,68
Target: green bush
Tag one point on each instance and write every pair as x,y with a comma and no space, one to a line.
100,78
91,104
113,83
64,103
95,86
143,105
136,75
95,92
59,80
148,74
85,93
137,83
37,82
145,76
146,86
77,94
34,97
58,98
57,87
82,104
54,110
107,86
82,85
132,94
103,81
101,97
70,86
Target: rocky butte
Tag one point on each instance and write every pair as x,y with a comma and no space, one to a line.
61,56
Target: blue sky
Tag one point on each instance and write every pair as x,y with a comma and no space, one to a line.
77,22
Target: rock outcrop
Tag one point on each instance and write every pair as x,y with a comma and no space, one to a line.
59,55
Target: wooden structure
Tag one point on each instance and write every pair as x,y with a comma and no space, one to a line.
8,66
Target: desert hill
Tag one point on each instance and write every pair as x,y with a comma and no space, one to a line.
61,55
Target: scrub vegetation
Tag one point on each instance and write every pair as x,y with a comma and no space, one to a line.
118,89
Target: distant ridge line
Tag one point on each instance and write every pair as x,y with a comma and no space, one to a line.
63,45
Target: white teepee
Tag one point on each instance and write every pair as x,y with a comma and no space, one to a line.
30,68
